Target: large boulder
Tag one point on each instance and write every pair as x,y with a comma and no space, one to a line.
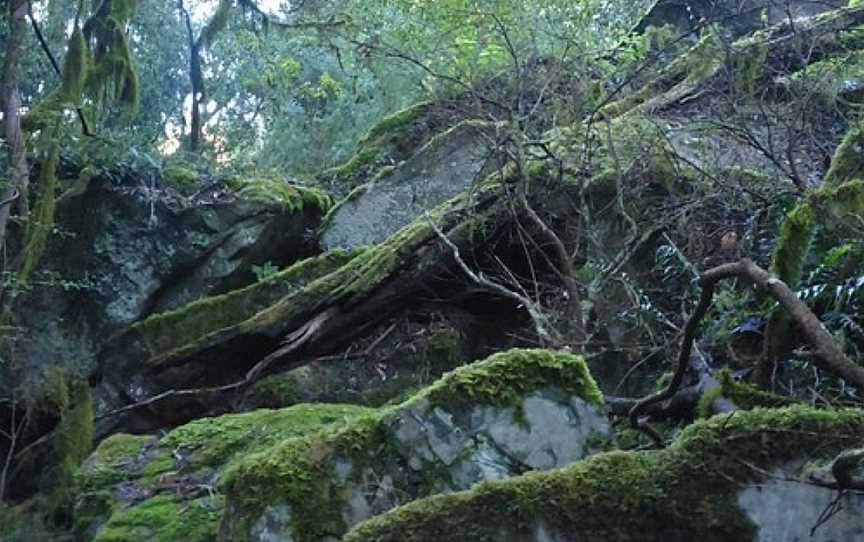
216,340
124,249
733,477
736,16
516,411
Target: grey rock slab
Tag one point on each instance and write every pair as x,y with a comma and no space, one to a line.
440,170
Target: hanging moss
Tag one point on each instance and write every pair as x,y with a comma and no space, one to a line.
217,23
75,67
848,159
827,205
112,75
793,244
72,442
747,68
41,222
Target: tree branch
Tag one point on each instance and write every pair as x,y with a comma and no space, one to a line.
827,356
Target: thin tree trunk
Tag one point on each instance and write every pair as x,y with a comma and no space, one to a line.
11,103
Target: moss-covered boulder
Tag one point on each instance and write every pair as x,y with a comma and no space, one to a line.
723,479
397,195
143,488
124,248
164,333
515,411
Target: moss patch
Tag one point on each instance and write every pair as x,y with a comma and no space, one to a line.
685,492
184,180
173,477
505,378
376,145
165,332
293,197
745,396
213,441
164,518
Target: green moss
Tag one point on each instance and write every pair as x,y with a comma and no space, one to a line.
212,441
184,180
392,125
505,378
747,68
209,446
164,518
111,460
376,144
684,492
165,332
293,197
74,67
825,206
793,244
359,163
745,396
41,220
848,159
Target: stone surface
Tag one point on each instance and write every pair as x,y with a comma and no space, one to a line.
438,171
787,510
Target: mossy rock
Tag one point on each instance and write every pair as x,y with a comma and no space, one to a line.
141,488
185,180
312,488
397,195
165,332
686,492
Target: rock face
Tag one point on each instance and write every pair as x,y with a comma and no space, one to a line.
773,503
718,481
441,169
471,426
123,252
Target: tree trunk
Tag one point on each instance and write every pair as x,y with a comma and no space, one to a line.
197,95
11,103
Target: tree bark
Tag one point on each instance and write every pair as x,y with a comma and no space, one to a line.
196,78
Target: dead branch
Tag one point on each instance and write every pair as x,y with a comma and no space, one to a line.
827,356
